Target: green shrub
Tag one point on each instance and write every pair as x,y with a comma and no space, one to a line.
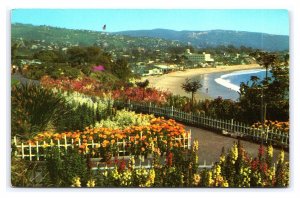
34,109
64,166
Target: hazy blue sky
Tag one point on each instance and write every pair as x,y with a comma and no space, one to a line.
267,21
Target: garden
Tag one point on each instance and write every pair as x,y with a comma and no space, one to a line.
71,133
100,127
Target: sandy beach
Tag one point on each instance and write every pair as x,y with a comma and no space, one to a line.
172,81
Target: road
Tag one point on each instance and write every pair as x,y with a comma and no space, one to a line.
210,145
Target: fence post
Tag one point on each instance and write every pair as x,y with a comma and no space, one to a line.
231,125
37,151
72,142
66,145
30,157
58,144
15,140
22,150
267,134
189,139
149,108
172,113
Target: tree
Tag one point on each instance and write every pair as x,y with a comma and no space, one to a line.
77,55
191,87
93,53
265,59
46,56
143,84
121,69
270,96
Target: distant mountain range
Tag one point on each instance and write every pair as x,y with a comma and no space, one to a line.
213,38
156,39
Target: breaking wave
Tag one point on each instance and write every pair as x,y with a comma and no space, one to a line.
224,80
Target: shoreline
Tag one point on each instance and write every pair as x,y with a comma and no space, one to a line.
172,81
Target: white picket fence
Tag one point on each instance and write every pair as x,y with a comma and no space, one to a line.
230,127
36,151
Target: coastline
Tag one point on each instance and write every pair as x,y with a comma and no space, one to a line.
172,81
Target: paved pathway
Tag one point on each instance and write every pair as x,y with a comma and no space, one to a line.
210,145
24,80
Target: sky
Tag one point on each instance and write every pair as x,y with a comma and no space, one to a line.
271,21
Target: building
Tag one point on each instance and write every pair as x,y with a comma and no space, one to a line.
165,68
198,59
148,70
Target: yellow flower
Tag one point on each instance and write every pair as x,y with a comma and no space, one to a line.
270,151
76,182
218,170
234,153
91,183
281,156
196,179
195,145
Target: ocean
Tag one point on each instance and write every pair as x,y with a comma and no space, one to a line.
227,84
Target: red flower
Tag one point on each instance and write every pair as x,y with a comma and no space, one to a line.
170,159
122,165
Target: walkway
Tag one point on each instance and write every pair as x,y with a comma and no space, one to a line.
210,145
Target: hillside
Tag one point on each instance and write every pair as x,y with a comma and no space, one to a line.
69,37
213,38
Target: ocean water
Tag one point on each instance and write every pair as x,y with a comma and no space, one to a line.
227,84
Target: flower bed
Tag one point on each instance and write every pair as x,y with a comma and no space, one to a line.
92,87
105,142
281,126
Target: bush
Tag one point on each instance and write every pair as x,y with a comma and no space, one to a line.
63,167
34,109
124,119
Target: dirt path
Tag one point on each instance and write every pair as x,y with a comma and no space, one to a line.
210,145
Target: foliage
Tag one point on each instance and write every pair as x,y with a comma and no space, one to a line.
82,110
141,95
63,168
271,94
104,77
34,109
23,173
143,84
220,108
121,70
241,170
178,168
14,82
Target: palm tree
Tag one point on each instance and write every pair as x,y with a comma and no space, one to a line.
191,87
254,80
